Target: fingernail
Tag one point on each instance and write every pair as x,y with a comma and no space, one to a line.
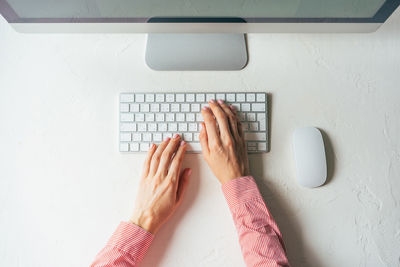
212,101
176,136
205,108
232,107
220,101
183,143
153,145
189,171
167,139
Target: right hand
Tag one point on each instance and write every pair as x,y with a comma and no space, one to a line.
223,146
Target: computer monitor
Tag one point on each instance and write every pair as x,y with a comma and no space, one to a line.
196,35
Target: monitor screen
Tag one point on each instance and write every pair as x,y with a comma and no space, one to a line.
142,10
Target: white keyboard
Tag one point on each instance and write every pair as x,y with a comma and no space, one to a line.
147,118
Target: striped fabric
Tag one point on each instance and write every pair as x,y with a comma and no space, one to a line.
126,247
259,237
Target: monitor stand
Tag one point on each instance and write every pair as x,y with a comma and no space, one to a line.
200,51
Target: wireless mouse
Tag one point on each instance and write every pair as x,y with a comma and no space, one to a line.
309,156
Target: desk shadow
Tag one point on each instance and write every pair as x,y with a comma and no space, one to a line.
298,253
161,241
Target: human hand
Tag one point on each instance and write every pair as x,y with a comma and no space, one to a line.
162,184
223,146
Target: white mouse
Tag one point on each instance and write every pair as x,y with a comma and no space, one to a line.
309,156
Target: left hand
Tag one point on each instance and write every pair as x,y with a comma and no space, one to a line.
162,184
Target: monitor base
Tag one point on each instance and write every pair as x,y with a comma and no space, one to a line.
225,51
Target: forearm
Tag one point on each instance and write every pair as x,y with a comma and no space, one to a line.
126,247
259,236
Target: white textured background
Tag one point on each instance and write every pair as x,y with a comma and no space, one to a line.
64,186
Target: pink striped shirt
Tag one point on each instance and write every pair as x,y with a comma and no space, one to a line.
259,236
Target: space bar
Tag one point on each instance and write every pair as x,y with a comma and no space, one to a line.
193,147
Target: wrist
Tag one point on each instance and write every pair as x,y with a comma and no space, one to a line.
145,221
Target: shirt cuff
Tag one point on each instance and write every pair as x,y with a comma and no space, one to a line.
131,239
240,190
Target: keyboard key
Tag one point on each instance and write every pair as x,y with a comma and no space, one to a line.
123,147
169,98
174,107
199,117
262,146
196,137
170,117
149,98
136,137
180,117
155,107
182,127
261,120
180,98
172,127
242,116
190,117
134,147
164,107
162,127
245,127
185,107
261,97
139,98
144,147
144,107
209,97
187,137
255,136
139,117
230,97
142,127
160,117
124,107
151,127
190,98
147,137
253,126
220,97
251,116
167,135
127,97
157,137
127,117
193,147
149,117
200,98
125,137
245,107
250,97
160,98
128,127
193,127
134,107
240,97
258,107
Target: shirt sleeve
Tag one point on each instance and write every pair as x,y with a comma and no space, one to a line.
259,236
126,247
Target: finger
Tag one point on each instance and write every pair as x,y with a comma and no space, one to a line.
222,119
211,127
147,161
204,140
155,161
183,183
176,162
232,118
167,154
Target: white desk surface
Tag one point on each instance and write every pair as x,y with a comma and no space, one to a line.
64,186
